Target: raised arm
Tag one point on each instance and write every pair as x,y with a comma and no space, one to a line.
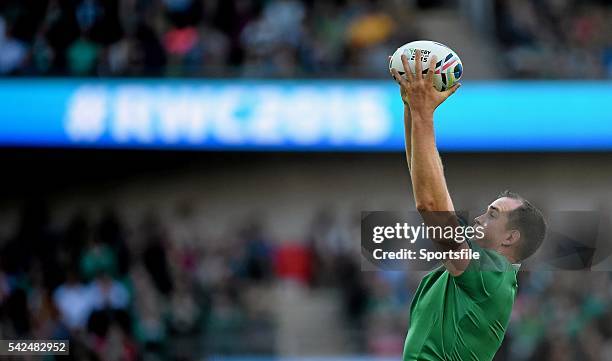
431,194
407,132
422,99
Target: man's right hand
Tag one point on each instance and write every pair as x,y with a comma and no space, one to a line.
418,91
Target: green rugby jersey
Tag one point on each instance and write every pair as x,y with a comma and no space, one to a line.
462,318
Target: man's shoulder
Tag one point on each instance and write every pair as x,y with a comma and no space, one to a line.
432,279
488,260
487,276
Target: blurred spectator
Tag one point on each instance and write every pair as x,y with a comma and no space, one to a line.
108,293
367,35
154,255
83,57
111,337
148,305
185,311
110,231
12,51
98,258
293,262
74,301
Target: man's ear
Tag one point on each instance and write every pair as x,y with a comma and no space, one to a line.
512,237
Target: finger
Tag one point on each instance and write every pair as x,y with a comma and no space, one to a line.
418,67
432,68
409,74
451,91
400,79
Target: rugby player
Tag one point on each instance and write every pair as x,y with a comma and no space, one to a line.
461,310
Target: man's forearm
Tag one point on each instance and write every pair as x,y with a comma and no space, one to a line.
427,173
408,135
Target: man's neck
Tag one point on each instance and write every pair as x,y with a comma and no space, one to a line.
510,257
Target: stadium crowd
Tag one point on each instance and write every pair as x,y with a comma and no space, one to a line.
556,38
281,38
193,37
161,291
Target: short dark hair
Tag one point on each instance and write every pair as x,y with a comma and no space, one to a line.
529,221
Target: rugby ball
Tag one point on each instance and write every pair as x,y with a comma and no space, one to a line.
448,69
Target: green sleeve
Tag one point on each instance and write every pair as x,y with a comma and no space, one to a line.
484,276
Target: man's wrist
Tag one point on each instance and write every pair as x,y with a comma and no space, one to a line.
421,116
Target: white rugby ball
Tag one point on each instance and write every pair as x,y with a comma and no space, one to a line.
448,69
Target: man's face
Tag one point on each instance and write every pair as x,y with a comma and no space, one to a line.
495,221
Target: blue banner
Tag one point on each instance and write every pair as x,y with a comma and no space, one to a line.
299,115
